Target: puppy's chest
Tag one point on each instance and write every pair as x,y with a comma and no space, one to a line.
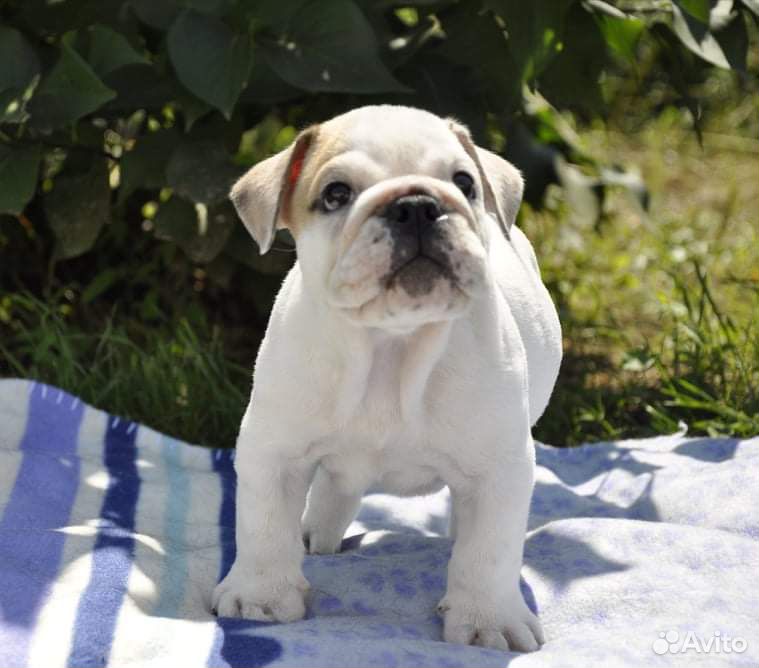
376,416
376,441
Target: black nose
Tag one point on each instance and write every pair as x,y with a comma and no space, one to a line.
417,209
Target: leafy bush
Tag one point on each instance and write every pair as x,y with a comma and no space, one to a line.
119,119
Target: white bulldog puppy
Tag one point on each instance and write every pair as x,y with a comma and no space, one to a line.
412,345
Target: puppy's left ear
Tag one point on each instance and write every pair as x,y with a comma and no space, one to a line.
501,181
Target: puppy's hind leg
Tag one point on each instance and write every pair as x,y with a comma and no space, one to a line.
329,512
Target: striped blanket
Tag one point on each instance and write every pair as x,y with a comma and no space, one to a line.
112,537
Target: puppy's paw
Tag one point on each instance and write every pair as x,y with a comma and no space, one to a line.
507,624
261,597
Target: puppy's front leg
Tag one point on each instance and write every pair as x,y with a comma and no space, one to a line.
483,604
266,581
329,512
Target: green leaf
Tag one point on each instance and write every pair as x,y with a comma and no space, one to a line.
18,60
110,50
265,88
19,166
443,88
199,231
206,6
698,9
201,171
141,87
77,208
47,18
69,91
192,108
535,31
477,42
330,47
220,220
695,35
620,30
19,74
13,102
156,13
176,219
572,79
145,165
622,35
275,12
211,60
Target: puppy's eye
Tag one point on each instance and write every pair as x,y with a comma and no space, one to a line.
465,183
335,195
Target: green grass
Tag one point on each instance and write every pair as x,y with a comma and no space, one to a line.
700,369
175,378
660,309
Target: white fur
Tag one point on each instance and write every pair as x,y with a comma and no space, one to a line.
412,400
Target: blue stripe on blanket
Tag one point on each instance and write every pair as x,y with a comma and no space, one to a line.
113,551
47,478
235,646
222,462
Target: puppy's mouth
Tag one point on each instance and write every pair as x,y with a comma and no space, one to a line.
420,257
417,275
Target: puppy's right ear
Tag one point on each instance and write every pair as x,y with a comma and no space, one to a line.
262,196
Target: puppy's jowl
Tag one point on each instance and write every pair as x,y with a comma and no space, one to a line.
413,345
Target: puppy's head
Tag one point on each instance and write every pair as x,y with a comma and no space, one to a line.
388,207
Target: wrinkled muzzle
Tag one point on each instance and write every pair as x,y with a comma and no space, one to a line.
411,252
